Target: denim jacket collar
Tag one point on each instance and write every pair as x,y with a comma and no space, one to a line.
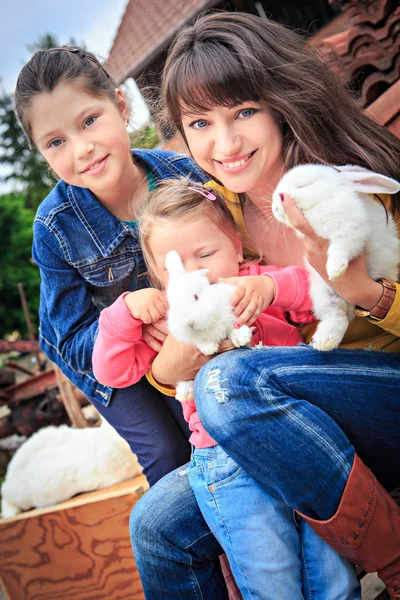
106,230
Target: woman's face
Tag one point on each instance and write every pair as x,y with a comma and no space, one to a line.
240,146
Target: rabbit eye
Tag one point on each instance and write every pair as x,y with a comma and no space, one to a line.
196,297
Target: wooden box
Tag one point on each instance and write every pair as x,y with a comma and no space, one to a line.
76,550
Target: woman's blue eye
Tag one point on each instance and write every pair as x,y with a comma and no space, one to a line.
55,143
199,124
246,112
89,121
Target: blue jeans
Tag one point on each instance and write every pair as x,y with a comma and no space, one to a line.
152,424
291,418
281,414
269,556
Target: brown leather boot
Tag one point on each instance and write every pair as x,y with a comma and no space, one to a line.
366,527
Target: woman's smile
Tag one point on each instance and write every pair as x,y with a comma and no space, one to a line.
236,164
241,146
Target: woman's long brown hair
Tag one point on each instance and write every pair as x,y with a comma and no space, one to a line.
230,58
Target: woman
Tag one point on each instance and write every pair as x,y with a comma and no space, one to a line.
252,100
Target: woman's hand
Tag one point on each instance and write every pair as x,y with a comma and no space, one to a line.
355,286
252,295
155,334
181,362
177,361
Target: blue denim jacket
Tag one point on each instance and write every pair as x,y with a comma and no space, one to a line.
87,258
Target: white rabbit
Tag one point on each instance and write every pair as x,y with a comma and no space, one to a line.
199,313
336,202
58,462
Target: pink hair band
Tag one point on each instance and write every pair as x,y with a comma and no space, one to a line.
203,192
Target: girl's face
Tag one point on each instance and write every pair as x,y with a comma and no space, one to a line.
200,243
240,146
82,137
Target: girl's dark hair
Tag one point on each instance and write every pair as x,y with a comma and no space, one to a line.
47,68
231,58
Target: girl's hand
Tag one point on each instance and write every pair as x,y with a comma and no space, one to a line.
355,286
253,294
148,305
155,334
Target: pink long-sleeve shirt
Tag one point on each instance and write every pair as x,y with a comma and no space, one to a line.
121,357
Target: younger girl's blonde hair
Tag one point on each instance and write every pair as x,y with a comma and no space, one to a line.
174,199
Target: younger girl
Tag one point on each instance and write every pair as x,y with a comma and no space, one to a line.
85,237
269,559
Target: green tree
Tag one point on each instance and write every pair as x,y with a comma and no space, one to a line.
26,167
48,40
147,137
28,171
16,266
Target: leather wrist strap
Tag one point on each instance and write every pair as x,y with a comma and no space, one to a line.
381,309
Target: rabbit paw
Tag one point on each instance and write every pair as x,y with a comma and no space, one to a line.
336,267
326,338
184,391
9,510
209,349
240,337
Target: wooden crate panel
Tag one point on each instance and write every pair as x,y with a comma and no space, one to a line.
78,550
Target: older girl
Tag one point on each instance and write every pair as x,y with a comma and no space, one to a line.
252,99
85,237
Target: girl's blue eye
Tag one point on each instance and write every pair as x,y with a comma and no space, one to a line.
55,143
90,120
247,112
200,124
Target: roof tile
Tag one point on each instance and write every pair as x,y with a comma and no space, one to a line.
146,29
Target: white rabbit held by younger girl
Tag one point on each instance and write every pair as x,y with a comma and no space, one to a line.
336,201
199,313
58,462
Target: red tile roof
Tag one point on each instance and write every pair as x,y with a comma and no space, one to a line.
146,29
368,50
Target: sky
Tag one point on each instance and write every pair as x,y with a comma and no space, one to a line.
94,22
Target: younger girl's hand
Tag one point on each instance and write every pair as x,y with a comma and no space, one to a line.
149,305
155,334
253,294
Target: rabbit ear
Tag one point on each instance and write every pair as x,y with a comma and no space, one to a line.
369,182
174,264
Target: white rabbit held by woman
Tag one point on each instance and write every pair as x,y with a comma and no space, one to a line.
58,462
200,313
336,201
